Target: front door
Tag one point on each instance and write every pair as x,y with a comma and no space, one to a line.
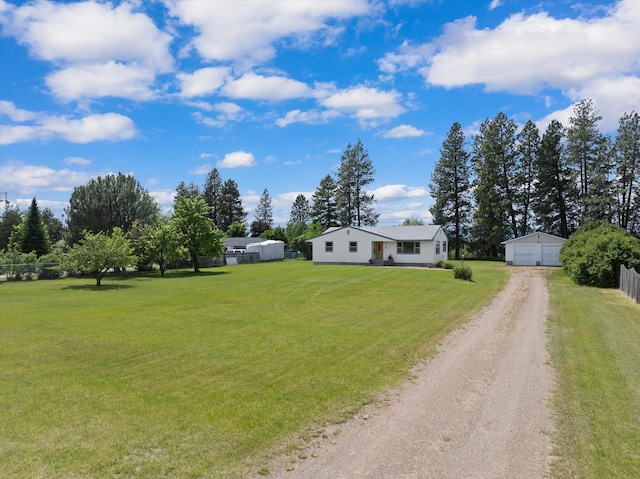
378,248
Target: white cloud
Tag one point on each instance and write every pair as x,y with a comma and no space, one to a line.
237,159
246,35
368,105
77,160
585,57
201,170
397,192
495,4
313,116
202,82
271,88
404,131
227,111
107,126
100,80
9,110
96,61
27,179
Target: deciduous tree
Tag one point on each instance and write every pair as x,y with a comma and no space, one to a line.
196,232
97,253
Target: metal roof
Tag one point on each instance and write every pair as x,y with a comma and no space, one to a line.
394,233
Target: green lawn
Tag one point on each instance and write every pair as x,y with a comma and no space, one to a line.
204,375
596,353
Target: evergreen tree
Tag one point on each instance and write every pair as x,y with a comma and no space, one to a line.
584,141
627,168
325,208
494,161
599,204
556,195
355,206
230,205
212,192
528,150
35,237
258,227
54,226
109,202
451,188
264,210
190,191
299,211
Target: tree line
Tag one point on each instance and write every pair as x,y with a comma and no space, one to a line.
112,221
506,183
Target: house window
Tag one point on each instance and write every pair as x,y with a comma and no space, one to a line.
353,246
437,247
408,247
444,246
328,247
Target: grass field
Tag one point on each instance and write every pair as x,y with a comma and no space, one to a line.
204,375
596,353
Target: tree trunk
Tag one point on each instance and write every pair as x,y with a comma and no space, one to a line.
194,260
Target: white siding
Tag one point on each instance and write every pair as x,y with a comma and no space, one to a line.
536,249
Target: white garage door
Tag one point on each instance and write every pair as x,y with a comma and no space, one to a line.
524,255
551,254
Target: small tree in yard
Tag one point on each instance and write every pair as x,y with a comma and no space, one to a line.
97,253
161,243
196,230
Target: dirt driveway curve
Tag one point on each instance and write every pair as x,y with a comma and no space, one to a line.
477,410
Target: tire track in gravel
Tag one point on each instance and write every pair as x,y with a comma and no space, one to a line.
476,410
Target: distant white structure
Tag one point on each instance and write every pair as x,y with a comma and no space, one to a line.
270,250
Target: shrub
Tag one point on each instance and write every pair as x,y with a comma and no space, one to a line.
462,272
592,254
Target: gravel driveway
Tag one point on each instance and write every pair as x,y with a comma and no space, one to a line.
477,410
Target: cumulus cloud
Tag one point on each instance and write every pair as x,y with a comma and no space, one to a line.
404,131
582,57
226,112
247,35
94,127
94,60
369,105
201,170
202,82
313,116
237,159
26,179
271,88
397,192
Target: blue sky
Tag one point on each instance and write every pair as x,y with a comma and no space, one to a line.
272,92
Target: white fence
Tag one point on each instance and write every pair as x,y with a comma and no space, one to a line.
630,283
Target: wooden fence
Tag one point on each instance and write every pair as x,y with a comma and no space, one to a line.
630,283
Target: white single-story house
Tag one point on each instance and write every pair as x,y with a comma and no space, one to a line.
239,243
397,245
535,249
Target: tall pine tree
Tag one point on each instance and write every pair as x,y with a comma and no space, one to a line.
451,188
230,205
324,210
212,192
528,150
556,195
356,171
627,168
494,161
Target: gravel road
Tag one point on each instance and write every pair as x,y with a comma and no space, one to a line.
477,410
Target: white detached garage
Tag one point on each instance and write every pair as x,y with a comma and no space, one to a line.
535,249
